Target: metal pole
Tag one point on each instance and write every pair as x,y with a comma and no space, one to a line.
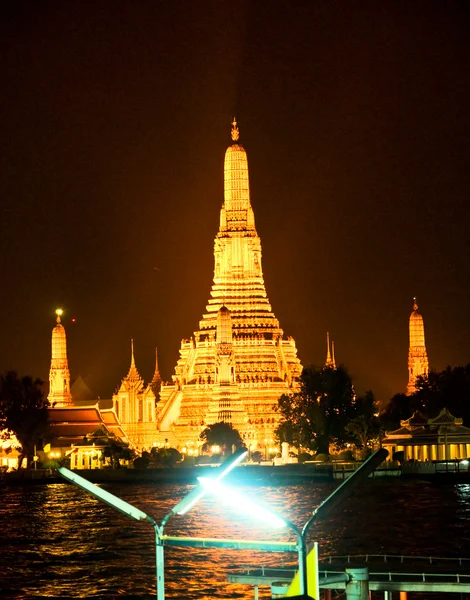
302,550
160,566
346,488
357,587
302,557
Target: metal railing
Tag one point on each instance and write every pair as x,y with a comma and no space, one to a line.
408,577
400,558
283,573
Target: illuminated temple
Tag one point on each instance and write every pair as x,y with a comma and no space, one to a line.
417,356
134,406
59,374
237,363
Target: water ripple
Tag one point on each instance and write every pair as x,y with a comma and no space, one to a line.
60,542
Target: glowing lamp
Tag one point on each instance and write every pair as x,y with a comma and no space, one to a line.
236,500
197,493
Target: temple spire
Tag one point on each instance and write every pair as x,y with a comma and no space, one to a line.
235,132
330,356
156,382
156,375
132,354
418,364
236,213
59,374
133,374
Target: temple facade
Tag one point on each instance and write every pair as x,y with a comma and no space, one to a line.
59,374
134,405
237,363
418,364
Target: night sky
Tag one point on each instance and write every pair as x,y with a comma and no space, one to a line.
115,117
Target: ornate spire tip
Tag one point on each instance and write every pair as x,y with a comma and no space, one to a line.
59,312
235,132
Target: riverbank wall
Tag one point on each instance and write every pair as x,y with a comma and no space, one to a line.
243,474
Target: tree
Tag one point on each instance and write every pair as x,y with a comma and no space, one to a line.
166,457
317,415
142,462
399,407
365,426
449,389
223,435
115,451
23,412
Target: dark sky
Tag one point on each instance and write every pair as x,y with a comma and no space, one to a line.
115,117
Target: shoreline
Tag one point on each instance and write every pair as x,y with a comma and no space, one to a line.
245,474
251,474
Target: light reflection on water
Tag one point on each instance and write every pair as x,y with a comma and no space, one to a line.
60,542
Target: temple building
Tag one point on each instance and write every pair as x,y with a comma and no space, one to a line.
76,429
417,357
134,405
442,438
59,374
82,427
237,363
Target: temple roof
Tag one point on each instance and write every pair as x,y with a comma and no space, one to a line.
417,419
74,414
74,423
417,429
445,418
133,374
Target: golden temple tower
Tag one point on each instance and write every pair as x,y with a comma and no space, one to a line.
134,405
238,363
59,374
417,356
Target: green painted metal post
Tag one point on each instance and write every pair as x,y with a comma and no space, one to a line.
357,587
160,564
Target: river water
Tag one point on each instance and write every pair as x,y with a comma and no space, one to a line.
59,542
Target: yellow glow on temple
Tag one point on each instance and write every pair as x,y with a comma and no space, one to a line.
237,363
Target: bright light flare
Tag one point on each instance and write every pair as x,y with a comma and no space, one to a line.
59,312
236,500
195,495
103,495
